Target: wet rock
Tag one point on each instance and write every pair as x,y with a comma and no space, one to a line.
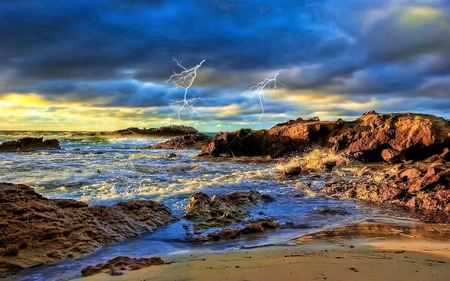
222,210
116,265
426,189
29,144
292,171
7,269
236,233
246,142
191,141
35,230
329,165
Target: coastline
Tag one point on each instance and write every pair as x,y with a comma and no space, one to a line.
362,258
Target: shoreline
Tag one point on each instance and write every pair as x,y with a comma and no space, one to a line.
362,258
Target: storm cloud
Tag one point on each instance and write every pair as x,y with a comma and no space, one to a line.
386,55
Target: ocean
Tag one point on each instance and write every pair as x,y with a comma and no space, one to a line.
104,172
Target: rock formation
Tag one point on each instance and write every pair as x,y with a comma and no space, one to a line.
246,142
116,265
29,144
191,141
421,188
35,230
222,210
236,233
371,137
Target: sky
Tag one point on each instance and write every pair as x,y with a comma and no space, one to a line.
104,64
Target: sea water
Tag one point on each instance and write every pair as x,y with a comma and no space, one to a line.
104,172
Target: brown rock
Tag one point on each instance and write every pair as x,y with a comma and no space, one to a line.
390,155
116,265
7,269
246,142
35,230
235,233
408,174
422,190
372,137
222,209
191,141
29,144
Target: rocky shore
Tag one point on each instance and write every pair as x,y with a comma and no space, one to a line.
35,230
418,186
413,147
397,159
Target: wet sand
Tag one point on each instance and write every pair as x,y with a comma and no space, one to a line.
321,256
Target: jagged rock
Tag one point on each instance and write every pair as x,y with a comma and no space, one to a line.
235,233
29,144
428,189
247,142
191,141
116,265
372,137
222,210
35,230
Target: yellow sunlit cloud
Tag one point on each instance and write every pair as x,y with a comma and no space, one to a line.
421,15
33,112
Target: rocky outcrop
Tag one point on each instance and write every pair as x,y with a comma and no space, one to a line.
117,265
419,188
133,132
29,144
222,210
191,141
246,142
371,137
35,230
172,130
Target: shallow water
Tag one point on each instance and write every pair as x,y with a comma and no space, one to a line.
109,171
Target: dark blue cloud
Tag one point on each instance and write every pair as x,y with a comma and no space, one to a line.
118,53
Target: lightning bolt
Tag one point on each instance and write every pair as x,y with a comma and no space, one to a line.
184,80
259,90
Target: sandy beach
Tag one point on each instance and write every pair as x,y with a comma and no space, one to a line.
316,257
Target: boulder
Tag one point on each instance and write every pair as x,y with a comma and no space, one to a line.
191,141
424,190
222,210
116,265
35,230
29,144
247,142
